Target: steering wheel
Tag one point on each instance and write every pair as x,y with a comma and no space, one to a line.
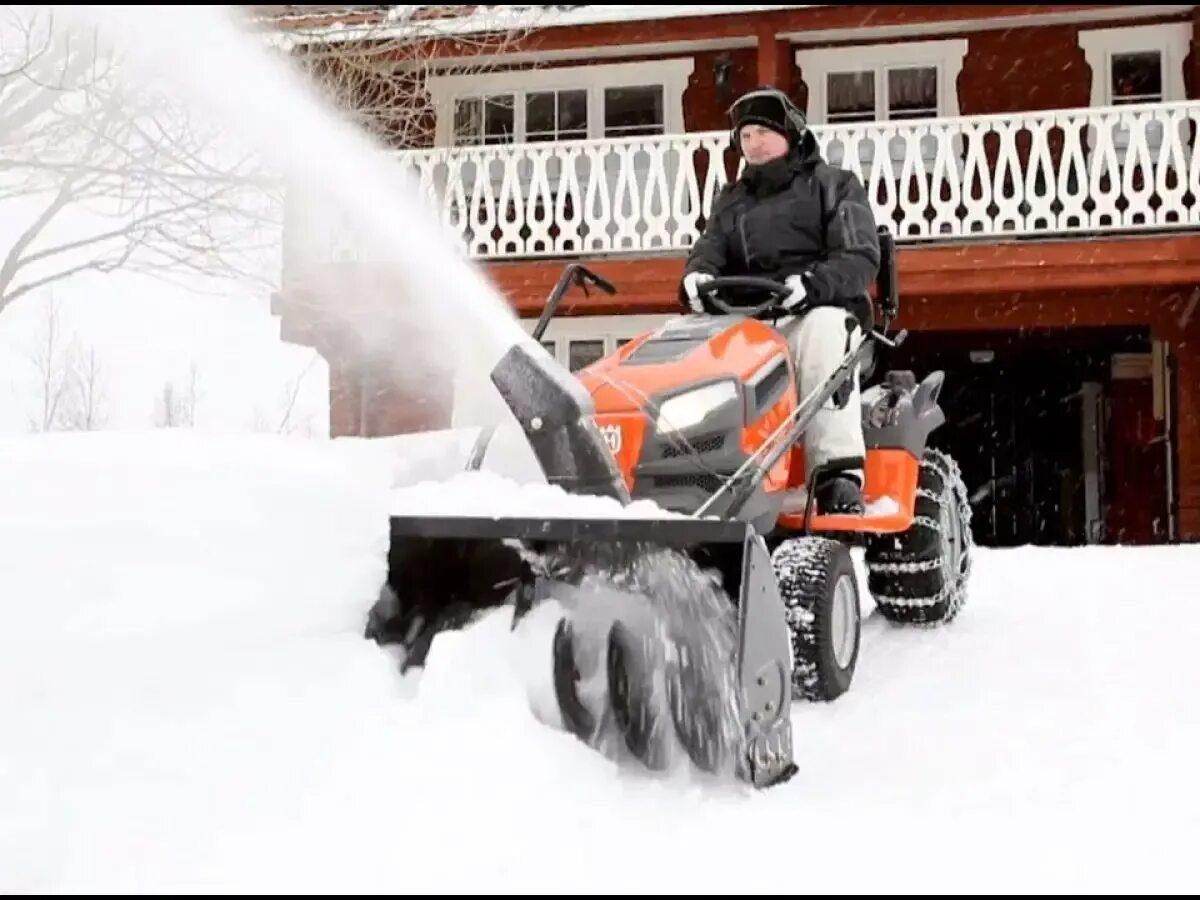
777,292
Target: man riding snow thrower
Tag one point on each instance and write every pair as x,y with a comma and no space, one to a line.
690,633
791,217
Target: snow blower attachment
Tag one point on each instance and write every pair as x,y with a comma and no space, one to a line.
645,626
693,631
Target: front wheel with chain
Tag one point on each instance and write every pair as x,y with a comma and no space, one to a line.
919,577
819,589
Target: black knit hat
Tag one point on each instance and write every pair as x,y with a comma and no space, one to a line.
771,108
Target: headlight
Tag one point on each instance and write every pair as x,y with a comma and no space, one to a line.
689,409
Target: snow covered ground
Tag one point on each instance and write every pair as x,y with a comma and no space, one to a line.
186,704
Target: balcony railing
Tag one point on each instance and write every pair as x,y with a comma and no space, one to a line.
1034,174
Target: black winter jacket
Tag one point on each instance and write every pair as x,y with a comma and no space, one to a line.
794,215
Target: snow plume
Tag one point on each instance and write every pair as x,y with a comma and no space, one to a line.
414,310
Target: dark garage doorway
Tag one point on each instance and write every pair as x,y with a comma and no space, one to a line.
1056,438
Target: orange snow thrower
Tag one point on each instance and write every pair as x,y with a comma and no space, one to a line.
692,632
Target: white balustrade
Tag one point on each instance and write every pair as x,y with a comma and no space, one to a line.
1051,173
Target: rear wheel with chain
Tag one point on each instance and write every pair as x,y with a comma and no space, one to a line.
919,577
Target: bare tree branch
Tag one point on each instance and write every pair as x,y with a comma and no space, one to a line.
162,192
127,229
176,408
46,358
146,183
379,72
86,397
291,394
70,389
12,262
93,265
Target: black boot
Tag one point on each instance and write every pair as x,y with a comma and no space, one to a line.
840,495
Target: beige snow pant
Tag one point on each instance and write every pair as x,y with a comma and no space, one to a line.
818,342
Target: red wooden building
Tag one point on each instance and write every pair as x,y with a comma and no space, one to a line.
1038,165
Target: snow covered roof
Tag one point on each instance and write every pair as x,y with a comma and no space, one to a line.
382,22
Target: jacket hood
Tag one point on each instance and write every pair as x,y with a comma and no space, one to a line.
806,152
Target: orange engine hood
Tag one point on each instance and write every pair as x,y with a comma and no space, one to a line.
683,352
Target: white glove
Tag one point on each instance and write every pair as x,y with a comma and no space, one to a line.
691,286
799,292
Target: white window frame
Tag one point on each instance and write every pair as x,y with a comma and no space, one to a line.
946,56
672,74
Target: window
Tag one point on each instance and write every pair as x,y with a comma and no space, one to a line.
1137,78
849,97
556,115
491,118
484,120
912,93
561,103
1136,64
906,93
579,341
881,82
584,353
634,111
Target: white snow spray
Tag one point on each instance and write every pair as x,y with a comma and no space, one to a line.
416,277
416,274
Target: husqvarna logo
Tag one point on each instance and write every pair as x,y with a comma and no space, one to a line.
612,437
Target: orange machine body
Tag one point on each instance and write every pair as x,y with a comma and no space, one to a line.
746,366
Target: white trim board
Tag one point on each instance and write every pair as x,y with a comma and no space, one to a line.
570,54
1001,23
507,18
